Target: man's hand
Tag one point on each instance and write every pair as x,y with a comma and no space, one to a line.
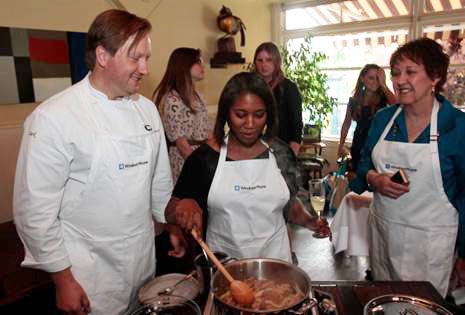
70,296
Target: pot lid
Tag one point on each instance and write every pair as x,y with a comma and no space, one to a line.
403,305
188,288
169,305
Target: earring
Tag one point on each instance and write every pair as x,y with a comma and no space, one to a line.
433,89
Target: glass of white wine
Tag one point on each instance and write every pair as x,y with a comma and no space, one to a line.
317,195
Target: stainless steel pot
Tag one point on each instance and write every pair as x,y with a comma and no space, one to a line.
264,268
205,269
403,304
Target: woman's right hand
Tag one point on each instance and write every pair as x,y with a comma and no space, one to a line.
383,184
342,151
381,77
189,215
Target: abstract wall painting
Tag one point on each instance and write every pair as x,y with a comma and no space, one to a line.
35,64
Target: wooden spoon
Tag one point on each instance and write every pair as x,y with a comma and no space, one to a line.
240,291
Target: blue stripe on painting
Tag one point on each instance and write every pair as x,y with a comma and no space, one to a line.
77,55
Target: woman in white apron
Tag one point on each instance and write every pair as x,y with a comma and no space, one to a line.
414,226
239,179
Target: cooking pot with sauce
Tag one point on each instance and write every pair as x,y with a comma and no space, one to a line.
270,269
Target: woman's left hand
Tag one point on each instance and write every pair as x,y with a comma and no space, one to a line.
295,147
177,241
317,223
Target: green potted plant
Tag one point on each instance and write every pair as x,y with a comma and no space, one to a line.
301,67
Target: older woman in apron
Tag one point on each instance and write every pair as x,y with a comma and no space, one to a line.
414,227
243,187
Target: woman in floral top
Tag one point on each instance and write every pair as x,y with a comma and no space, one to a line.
181,107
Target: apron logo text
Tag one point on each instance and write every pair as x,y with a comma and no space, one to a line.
408,169
239,188
122,166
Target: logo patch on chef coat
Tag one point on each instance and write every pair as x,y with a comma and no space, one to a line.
122,166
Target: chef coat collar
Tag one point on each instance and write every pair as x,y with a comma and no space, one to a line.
102,96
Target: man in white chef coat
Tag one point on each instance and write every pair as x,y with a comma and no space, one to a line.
92,171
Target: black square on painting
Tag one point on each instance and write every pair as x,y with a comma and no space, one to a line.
24,79
5,39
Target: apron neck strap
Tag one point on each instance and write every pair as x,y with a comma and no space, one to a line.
224,147
434,134
390,123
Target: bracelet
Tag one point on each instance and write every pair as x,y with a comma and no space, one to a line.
370,186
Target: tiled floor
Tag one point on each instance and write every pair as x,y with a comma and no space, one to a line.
316,257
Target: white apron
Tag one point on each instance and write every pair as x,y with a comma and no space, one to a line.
413,237
245,209
109,231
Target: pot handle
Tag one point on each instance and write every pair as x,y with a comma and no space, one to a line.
228,259
306,306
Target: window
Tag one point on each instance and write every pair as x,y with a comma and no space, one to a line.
347,54
452,38
441,5
344,12
355,33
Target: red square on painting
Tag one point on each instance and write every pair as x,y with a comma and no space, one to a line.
52,51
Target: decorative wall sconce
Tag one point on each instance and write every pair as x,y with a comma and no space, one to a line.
227,53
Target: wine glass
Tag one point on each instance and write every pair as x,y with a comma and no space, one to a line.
317,195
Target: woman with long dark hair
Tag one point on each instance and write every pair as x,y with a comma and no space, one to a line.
184,117
370,95
181,106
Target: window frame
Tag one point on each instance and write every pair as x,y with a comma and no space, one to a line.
415,22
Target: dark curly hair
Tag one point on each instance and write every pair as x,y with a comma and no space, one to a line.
430,54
